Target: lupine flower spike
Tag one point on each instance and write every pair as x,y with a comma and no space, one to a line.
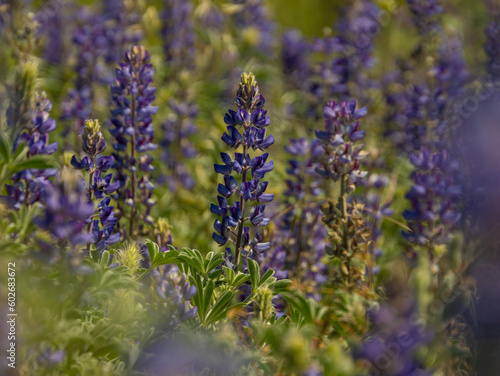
30,184
99,187
246,127
340,162
133,130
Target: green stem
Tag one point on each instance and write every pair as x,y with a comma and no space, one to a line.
343,209
242,221
134,173
91,198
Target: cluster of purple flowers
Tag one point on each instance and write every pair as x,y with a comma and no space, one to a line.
433,198
118,20
176,146
51,20
66,211
390,347
254,121
342,157
90,41
99,39
349,55
424,113
178,292
301,234
178,34
295,56
132,128
28,185
424,14
492,46
99,186
340,162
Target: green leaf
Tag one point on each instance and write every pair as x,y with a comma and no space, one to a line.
4,147
193,262
207,297
214,262
229,274
219,311
215,274
240,279
105,259
37,162
253,268
266,276
280,286
153,249
198,298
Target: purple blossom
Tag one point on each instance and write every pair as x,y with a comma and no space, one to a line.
492,46
301,235
342,156
348,56
176,146
177,32
29,185
132,127
424,14
253,121
119,17
433,199
295,56
174,288
66,211
391,346
99,186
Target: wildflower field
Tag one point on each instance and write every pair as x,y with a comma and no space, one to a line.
250,187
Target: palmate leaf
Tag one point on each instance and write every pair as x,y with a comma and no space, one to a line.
221,307
159,258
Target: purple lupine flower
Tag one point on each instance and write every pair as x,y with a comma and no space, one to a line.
492,46
394,326
301,234
424,113
176,146
178,292
342,157
28,185
252,120
178,34
132,127
294,54
433,199
348,56
340,162
253,17
451,76
119,34
66,211
51,19
374,207
99,186
89,38
424,14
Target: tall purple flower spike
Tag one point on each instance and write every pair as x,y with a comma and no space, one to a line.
246,127
133,130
